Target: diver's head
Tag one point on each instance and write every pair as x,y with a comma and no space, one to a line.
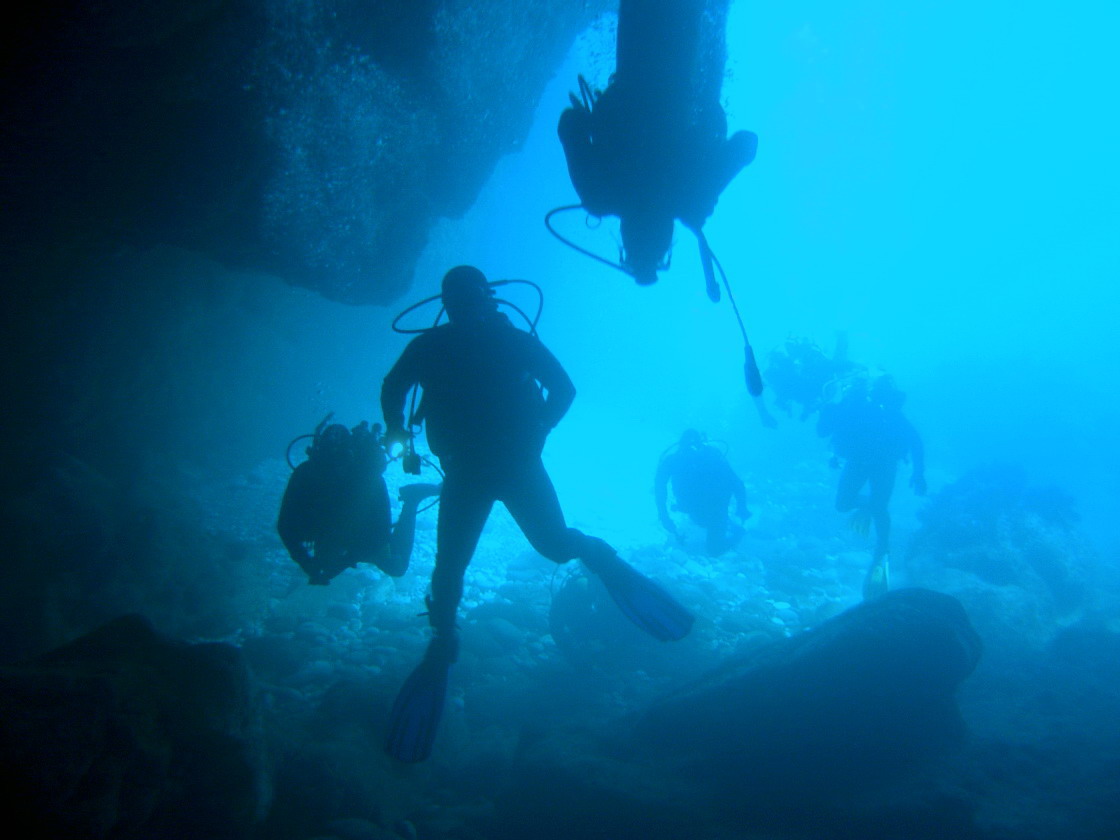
646,239
886,393
333,444
466,294
691,439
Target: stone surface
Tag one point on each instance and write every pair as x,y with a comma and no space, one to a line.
315,140
859,698
126,734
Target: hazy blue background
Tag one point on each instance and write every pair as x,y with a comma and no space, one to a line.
938,181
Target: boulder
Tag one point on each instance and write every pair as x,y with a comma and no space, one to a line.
125,733
840,707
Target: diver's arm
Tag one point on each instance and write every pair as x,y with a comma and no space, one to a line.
547,370
394,390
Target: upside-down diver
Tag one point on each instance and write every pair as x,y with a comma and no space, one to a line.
652,149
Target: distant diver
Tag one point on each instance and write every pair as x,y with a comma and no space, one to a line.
336,513
870,436
653,147
491,395
703,485
801,373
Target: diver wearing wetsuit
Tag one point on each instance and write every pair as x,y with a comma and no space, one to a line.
335,511
653,146
703,485
487,420
871,436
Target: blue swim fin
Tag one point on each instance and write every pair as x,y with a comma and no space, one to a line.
419,705
641,600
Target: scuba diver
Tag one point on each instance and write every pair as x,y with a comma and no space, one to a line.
487,420
870,435
703,485
335,511
653,147
801,373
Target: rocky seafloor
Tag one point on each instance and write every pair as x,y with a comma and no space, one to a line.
562,719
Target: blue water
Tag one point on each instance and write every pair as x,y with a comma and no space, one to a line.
934,183
937,183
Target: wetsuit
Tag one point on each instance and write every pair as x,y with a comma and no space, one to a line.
653,147
703,486
871,439
487,420
339,507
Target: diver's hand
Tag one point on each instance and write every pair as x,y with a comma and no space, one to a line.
918,483
395,435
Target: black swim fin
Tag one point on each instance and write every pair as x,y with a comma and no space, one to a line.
641,600
419,704
751,372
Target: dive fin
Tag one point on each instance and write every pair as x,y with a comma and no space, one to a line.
878,580
418,707
642,601
750,370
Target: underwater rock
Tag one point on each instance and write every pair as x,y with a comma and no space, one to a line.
318,140
564,787
356,828
126,733
1011,553
792,739
587,626
840,707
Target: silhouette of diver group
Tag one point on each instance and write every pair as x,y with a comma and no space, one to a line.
651,149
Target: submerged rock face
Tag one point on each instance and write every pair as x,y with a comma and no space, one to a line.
803,737
315,140
1013,554
124,733
842,706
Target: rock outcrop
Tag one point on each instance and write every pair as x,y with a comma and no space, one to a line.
315,140
126,734
801,735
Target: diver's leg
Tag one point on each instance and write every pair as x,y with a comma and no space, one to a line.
723,534
416,712
403,534
854,475
881,478
852,479
715,527
881,487
464,507
531,499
